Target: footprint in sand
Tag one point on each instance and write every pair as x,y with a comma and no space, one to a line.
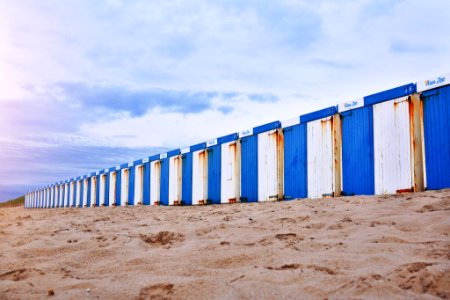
156,291
162,238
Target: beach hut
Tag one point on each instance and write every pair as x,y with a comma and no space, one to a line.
155,178
295,159
223,169
323,152
77,187
435,95
72,192
123,184
141,181
113,196
170,178
60,194
92,189
50,196
194,175
85,190
377,144
103,184
44,194
146,181
262,163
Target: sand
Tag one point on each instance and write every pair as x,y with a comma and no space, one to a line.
395,246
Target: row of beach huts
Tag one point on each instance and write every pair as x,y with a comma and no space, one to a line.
389,142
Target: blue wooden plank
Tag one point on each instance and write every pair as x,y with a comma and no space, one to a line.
357,152
249,169
295,162
146,199
186,179
214,174
436,107
164,187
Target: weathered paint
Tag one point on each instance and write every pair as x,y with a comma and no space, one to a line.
417,143
155,182
72,194
199,177
112,188
138,184
268,166
78,195
102,193
249,168
357,151
436,122
66,195
124,186
320,158
392,146
174,180
85,192
230,172
295,162
93,191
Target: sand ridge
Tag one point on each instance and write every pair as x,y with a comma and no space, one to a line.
394,246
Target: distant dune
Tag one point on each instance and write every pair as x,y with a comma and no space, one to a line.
14,202
394,246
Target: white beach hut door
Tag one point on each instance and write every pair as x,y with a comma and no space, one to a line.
392,146
174,180
267,166
78,193
124,182
112,188
155,182
85,192
228,169
138,184
102,190
320,158
199,173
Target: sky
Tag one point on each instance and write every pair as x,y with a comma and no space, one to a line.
86,85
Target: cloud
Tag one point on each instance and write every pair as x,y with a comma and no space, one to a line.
408,47
139,102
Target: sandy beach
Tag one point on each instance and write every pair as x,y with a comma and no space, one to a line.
394,246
